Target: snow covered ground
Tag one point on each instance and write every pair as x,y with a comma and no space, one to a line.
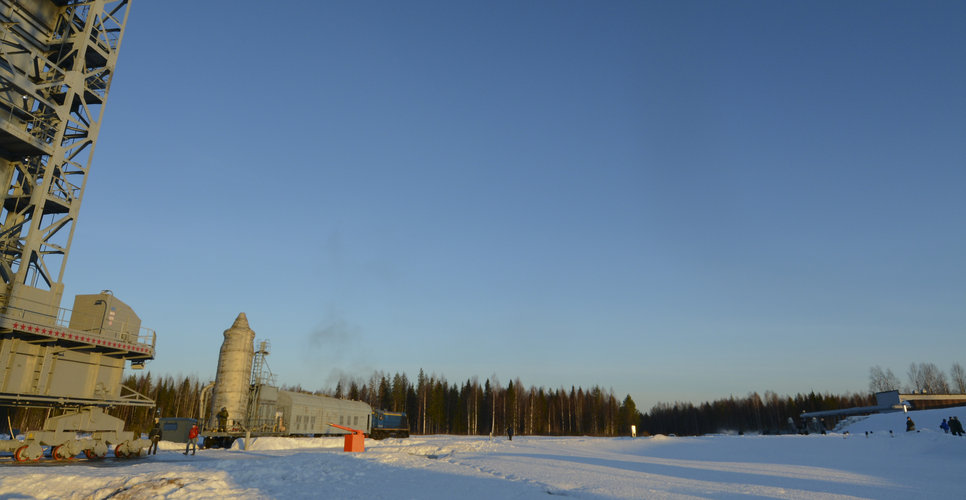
924,464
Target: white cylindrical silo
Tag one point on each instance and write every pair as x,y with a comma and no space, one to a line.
234,373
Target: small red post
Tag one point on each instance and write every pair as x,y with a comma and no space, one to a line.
354,442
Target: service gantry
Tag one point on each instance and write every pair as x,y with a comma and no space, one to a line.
57,60
56,63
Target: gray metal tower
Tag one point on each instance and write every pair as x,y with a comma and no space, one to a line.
57,60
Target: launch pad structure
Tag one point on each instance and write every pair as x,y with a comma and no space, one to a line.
57,60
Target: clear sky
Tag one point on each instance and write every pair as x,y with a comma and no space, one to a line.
681,201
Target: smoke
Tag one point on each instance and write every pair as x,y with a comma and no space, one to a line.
337,375
333,332
334,341
332,352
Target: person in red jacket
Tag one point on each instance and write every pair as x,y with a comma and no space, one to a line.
192,440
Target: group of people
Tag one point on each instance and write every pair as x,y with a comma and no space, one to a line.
155,436
952,425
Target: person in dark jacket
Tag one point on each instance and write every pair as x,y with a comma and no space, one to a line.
222,419
155,436
509,432
910,425
192,440
955,426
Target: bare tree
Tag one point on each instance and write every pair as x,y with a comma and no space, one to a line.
927,377
936,381
916,378
495,386
882,380
958,376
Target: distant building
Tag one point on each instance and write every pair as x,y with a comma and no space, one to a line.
887,401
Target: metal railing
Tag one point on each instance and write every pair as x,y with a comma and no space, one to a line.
145,336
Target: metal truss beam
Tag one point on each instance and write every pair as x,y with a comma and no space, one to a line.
57,61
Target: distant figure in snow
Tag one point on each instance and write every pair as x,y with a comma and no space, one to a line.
944,426
910,425
192,440
509,432
955,426
222,419
155,436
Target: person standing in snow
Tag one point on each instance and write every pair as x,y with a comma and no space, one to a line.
509,432
222,419
192,440
910,425
955,426
155,436
944,426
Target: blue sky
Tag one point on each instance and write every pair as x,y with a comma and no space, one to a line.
681,201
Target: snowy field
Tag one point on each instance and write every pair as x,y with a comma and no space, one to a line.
924,464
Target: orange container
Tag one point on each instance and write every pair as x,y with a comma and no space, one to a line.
355,442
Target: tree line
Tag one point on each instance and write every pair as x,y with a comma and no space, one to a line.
436,406
432,405
922,378
768,414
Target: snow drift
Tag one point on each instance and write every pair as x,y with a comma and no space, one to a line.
861,459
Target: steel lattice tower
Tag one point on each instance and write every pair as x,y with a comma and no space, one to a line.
57,60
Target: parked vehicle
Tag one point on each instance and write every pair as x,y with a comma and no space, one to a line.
389,424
